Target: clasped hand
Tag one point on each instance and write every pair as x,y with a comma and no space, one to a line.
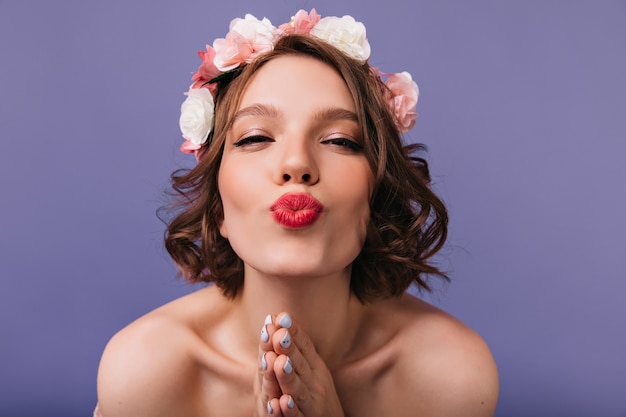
293,380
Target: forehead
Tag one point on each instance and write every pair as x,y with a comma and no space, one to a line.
300,81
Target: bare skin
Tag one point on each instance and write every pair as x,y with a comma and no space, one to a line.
397,357
205,355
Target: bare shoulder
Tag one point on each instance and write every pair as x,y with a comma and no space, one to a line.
444,359
149,368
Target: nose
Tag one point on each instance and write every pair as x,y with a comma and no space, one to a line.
297,164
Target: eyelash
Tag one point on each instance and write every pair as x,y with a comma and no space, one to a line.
341,142
345,143
248,140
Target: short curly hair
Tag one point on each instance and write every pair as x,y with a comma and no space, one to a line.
408,222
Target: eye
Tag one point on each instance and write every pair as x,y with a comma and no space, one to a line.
251,140
349,144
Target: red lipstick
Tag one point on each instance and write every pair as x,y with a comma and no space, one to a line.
296,210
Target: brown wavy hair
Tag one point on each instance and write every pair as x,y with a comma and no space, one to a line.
408,222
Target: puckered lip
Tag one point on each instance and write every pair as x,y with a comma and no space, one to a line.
296,209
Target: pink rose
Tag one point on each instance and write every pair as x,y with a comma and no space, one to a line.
189,147
301,23
246,39
403,100
206,71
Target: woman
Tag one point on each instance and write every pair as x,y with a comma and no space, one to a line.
312,220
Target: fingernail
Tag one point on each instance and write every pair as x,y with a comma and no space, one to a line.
263,362
268,319
285,342
269,408
264,335
290,403
288,367
285,321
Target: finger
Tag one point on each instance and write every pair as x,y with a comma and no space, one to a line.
297,336
270,387
316,396
273,408
288,406
265,341
295,344
267,331
290,382
301,372
268,384
283,320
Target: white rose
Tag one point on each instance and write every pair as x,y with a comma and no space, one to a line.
344,33
196,115
260,33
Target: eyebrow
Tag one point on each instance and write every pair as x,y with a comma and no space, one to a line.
263,110
267,110
336,113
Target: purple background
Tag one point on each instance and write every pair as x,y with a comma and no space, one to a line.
523,106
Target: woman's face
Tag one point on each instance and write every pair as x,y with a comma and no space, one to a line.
294,182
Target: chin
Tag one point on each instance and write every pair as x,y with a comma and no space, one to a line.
297,270
300,268
293,259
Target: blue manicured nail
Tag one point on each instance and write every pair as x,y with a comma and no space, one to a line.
285,342
290,403
263,362
268,319
288,367
269,408
264,335
285,321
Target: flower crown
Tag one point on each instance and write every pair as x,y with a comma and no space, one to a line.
250,37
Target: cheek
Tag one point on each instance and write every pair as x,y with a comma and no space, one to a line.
365,208
223,230
356,212
364,222
237,193
222,188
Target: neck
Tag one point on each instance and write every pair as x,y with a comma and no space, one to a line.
324,307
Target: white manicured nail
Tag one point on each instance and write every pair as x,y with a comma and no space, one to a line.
288,367
264,335
285,321
285,342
